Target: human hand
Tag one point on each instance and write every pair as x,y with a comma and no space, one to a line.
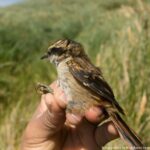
52,129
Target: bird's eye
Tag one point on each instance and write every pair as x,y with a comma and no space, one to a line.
56,51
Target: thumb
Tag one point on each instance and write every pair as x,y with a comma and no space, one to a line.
49,117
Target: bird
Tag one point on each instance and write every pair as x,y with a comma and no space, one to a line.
84,86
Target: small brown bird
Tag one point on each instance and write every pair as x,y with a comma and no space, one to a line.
85,86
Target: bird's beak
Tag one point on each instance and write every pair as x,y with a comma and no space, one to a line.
45,56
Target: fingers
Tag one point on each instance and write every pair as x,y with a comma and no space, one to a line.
86,127
95,115
50,115
85,130
106,133
59,95
54,115
72,119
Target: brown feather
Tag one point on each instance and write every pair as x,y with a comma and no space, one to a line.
90,77
85,86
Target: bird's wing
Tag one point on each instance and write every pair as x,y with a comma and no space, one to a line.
90,77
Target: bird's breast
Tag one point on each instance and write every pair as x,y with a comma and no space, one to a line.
78,97
66,80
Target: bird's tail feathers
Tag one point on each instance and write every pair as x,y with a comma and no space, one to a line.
126,133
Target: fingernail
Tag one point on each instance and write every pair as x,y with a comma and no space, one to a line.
76,118
97,110
73,119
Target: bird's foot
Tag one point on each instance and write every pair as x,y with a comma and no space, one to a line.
43,89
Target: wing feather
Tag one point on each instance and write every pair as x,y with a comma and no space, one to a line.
91,77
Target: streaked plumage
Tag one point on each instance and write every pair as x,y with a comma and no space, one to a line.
85,86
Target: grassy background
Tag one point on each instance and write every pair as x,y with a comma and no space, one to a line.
116,35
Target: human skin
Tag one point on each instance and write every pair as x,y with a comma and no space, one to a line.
51,128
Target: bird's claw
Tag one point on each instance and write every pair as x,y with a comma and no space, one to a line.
43,89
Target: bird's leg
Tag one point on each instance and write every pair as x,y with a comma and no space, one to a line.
43,89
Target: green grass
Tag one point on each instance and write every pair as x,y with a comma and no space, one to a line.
115,34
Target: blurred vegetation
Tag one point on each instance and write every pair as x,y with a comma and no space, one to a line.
116,35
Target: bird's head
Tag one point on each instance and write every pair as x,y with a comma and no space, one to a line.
63,49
